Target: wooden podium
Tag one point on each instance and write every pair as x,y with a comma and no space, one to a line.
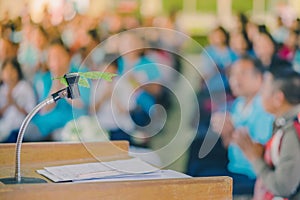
38,155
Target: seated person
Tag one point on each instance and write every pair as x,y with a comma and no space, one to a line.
216,60
222,56
113,102
277,163
55,116
246,78
17,99
144,76
41,83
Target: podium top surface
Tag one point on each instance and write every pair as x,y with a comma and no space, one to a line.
38,155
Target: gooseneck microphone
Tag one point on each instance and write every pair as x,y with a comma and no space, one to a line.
71,92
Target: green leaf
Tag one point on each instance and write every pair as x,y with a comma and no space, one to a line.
97,75
83,82
63,81
84,76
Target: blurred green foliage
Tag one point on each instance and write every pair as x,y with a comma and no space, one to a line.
242,5
169,5
207,6
210,5
201,39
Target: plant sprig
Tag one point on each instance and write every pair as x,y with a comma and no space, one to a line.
84,76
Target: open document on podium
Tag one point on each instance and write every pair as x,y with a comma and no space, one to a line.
119,170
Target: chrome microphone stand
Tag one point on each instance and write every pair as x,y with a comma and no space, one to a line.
72,92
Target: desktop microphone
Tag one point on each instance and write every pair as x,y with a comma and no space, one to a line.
72,92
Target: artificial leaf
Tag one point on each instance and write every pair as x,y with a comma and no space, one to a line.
63,81
83,82
84,76
97,75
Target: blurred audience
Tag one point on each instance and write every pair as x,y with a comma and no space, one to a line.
7,50
288,49
246,78
240,45
247,41
216,61
112,105
265,48
144,75
281,33
230,61
54,116
277,163
32,52
296,61
217,57
17,99
76,48
241,22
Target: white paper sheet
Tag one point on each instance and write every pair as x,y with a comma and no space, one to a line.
114,169
162,174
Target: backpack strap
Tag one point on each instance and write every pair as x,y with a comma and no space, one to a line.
297,125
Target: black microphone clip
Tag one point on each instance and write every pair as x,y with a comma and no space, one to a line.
72,91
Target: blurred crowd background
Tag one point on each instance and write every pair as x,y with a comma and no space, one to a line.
40,40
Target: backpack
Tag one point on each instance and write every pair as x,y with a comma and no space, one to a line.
297,125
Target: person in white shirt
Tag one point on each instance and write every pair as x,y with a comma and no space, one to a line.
112,104
17,98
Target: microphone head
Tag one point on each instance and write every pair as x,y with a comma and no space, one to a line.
73,89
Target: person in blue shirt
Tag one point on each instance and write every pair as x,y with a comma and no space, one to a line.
296,60
55,116
143,73
246,78
144,70
216,59
240,45
42,83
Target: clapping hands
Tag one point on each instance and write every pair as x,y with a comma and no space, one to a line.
251,149
221,123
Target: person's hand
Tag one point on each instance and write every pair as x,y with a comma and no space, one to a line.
9,102
251,149
222,124
9,98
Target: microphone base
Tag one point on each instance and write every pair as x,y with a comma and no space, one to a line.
24,180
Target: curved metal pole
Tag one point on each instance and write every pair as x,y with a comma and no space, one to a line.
24,125
71,92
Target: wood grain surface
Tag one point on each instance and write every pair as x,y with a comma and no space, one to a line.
38,155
